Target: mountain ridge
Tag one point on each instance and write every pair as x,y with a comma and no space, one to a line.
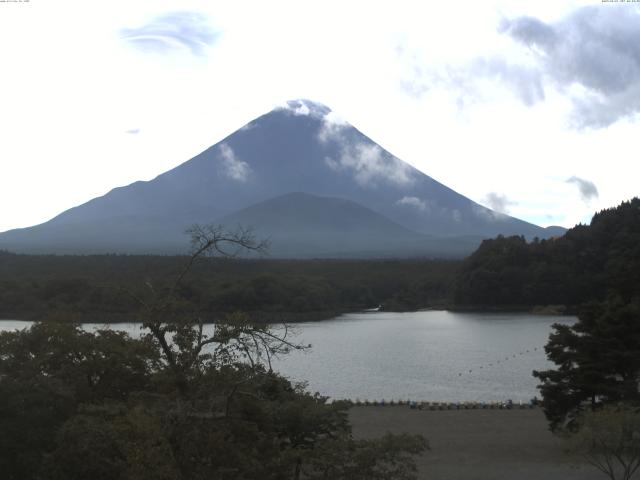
298,148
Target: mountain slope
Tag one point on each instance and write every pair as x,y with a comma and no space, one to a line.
302,148
303,225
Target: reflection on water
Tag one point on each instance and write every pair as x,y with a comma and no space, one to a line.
431,356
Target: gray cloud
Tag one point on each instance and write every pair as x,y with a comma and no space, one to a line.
526,82
172,31
529,30
588,189
596,47
133,131
498,202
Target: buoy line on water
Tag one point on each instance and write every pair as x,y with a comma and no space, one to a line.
466,405
501,361
423,405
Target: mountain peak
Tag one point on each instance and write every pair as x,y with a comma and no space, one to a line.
305,107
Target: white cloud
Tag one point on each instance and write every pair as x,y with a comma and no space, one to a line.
415,202
304,107
370,166
232,166
332,129
366,161
172,31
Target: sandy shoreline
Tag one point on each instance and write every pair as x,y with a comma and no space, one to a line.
478,444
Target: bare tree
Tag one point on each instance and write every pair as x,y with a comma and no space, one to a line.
179,331
609,439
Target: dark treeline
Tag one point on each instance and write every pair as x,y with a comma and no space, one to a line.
97,288
590,262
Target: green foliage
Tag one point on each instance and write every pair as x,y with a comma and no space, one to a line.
587,263
93,288
597,359
65,414
385,458
93,366
31,411
176,404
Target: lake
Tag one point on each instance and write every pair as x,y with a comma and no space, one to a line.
425,356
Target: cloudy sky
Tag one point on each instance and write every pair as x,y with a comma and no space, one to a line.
528,107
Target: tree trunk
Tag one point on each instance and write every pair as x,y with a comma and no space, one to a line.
297,471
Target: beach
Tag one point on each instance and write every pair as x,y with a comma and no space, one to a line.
478,444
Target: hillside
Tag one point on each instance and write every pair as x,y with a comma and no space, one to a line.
587,263
300,225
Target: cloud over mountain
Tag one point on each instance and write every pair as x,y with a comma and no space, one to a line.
498,202
414,202
305,107
366,161
369,167
232,166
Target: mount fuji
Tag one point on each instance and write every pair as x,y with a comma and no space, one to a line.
313,184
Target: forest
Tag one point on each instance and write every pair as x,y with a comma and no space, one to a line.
588,263
95,288
176,403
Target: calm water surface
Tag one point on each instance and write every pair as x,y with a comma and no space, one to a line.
431,356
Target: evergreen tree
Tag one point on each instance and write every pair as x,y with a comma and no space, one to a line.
590,262
598,361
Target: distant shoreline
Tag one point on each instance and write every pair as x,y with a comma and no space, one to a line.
533,309
115,318
288,317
